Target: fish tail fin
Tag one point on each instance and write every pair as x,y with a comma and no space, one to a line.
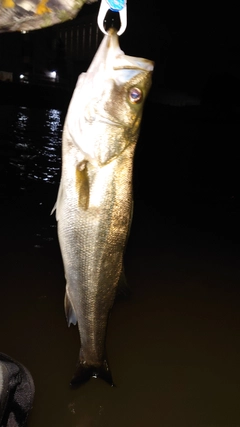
85,372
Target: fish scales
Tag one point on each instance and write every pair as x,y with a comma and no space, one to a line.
94,205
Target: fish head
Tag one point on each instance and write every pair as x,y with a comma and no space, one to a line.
110,103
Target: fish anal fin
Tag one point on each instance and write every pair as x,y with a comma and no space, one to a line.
85,372
82,185
69,311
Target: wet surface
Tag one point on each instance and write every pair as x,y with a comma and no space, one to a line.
173,345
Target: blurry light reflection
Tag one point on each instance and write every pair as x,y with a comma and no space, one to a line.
22,119
53,120
38,136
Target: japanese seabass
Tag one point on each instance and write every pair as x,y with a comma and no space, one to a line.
94,204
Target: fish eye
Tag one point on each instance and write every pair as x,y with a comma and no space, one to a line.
135,95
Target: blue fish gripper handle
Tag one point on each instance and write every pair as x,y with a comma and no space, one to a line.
116,5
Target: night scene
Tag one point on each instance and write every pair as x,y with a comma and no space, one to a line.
119,207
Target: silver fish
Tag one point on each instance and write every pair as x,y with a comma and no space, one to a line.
94,204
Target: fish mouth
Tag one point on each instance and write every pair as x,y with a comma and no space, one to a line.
129,67
110,57
133,63
125,61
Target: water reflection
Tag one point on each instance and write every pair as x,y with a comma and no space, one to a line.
30,158
22,119
53,120
37,150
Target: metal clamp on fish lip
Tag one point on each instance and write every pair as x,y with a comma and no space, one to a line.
119,6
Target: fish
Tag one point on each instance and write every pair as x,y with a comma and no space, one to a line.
95,201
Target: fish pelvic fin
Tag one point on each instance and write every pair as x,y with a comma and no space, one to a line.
85,372
69,311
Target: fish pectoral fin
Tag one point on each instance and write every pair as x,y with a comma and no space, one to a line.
84,372
69,311
82,184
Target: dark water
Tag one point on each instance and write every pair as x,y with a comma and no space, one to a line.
174,344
